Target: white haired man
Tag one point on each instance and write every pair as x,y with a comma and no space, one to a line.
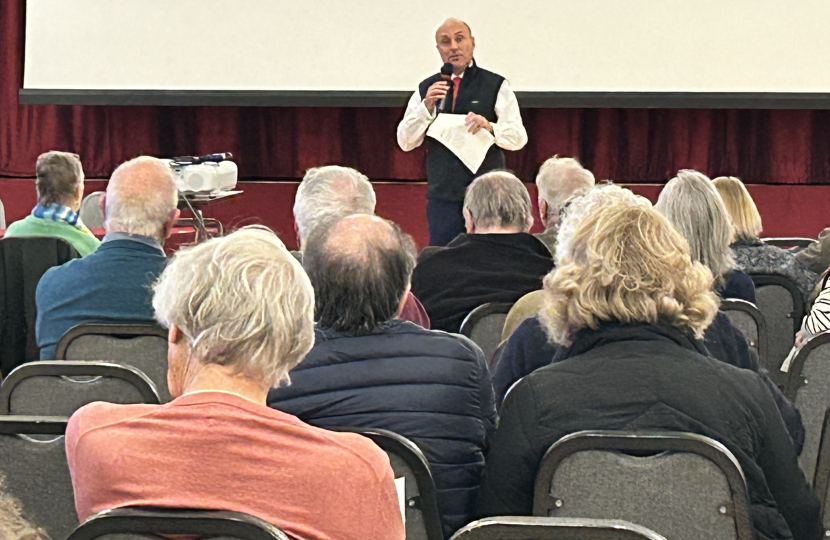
488,103
239,310
496,261
559,181
113,284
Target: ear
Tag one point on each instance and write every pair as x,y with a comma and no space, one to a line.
102,204
404,298
297,236
171,223
529,224
543,212
174,334
468,221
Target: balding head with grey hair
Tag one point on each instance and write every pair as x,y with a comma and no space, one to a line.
559,181
360,268
328,194
497,202
141,199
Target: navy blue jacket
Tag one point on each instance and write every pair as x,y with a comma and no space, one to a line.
110,285
431,387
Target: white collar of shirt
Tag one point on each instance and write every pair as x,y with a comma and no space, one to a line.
454,76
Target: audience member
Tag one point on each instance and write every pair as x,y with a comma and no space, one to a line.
629,307
751,254
368,368
328,194
816,256
113,285
692,204
559,180
496,261
60,188
13,526
240,315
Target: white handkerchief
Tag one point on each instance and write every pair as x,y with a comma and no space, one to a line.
450,130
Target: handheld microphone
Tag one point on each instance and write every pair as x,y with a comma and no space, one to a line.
446,73
209,158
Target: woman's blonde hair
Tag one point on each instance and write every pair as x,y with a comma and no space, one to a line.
738,202
621,260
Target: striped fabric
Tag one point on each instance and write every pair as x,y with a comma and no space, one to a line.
56,212
819,318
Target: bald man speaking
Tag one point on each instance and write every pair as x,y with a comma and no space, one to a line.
488,102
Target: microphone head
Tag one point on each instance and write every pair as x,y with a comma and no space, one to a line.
446,69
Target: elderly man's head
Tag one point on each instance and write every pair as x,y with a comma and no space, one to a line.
60,179
240,306
360,268
328,194
455,43
497,202
622,261
141,199
559,181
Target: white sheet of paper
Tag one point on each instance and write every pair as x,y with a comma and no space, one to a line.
449,130
785,367
400,485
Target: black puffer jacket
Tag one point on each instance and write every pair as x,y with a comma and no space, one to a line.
431,387
635,377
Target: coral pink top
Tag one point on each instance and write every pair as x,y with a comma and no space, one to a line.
217,450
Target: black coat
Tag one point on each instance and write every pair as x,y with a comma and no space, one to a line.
430,387
636,377
475,269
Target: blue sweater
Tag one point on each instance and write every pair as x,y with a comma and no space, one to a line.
110,285
428,386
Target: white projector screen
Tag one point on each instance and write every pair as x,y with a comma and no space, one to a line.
363,49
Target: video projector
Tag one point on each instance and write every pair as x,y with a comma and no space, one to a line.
204,174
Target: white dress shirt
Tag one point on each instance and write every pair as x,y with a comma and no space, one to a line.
508,130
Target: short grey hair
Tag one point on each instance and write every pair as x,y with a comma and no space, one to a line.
499,199
13,526
141,195
242,300
328,194
560,179
58,176
694,207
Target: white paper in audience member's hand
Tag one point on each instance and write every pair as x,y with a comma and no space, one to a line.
785,367
451,130
400,485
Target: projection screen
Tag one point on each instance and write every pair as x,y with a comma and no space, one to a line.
374,52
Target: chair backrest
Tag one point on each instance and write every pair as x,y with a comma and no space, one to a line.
412,475
34,466
821,480
525,307
545,528
23,260
146,522
749,321
141,345
2,216
788,242
90,212
484,324
60,387
680,485
782,304
808,387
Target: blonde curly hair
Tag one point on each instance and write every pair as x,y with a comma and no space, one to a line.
618,259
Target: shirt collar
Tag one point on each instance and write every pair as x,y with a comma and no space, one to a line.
454,76
146,240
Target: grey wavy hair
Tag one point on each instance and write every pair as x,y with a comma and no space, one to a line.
499,199
328,194
694,207
13,526
141,195
242,300
559,180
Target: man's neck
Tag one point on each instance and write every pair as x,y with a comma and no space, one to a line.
496,230
214,377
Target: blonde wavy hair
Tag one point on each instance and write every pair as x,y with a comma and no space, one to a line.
618,259
741,208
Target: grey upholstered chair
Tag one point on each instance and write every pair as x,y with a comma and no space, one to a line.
423,521
2,216
484,324
680,485
36,474
152,523
749,321
90,212
808,386
821,480
60,387
780,300
541,528
141,345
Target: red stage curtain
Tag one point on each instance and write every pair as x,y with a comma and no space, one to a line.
626,145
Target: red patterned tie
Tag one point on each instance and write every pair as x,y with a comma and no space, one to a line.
456,82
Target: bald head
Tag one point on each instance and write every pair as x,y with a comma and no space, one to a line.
455,43
360,268
141,199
